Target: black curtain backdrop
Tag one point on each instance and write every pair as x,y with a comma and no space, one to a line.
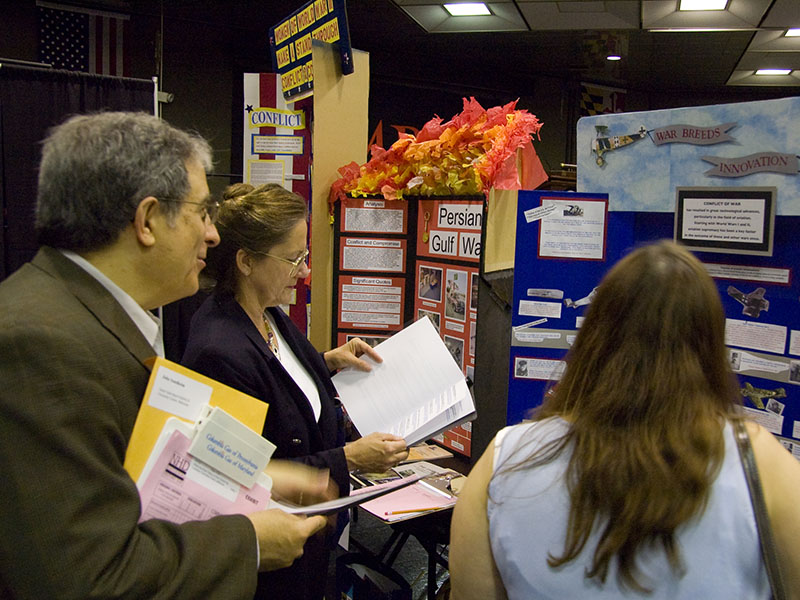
32,100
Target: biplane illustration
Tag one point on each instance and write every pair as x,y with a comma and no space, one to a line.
753,302
604,143
573,210
757,395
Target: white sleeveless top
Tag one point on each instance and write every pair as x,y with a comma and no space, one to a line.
528,511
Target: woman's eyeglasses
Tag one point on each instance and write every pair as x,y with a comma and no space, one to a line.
296,263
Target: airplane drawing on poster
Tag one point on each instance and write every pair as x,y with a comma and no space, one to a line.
605,143
753,302
639,158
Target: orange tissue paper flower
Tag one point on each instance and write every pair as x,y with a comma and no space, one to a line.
468,155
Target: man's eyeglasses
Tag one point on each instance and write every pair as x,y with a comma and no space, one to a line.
210,207
296,263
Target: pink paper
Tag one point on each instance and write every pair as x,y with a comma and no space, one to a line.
412,497
179,488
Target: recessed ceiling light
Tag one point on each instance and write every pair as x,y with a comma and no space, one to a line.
792,33
703,4
773,71
613,57
467,9
698,29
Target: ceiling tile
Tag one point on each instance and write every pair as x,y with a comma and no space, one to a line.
769,60
783,13
546,15
774,41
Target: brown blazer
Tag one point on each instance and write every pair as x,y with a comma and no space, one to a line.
71,380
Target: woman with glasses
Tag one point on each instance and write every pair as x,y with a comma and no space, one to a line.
240,337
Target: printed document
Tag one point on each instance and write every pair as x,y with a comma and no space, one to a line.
176,487
416,392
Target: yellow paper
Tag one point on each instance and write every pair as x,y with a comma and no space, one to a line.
150,420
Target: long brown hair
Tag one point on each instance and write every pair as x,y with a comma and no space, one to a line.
254,220
646,391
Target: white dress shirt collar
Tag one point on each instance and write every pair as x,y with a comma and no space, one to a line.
148,324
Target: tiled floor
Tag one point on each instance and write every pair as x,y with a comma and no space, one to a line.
411,563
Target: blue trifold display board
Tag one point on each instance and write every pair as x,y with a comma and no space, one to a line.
552,294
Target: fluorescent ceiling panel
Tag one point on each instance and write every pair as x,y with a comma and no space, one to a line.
749,78
703,4
740,14
467,9
435,19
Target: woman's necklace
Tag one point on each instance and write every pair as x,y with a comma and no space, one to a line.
272,339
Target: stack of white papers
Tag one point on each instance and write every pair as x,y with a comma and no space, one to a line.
417,391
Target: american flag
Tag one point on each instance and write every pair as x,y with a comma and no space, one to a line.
80,39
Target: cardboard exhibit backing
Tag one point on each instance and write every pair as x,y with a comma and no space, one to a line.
727,175
279,144
397,261
341,106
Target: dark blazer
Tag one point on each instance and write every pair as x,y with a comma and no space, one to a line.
73,377
225,345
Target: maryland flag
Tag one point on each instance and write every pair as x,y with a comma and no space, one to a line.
598,99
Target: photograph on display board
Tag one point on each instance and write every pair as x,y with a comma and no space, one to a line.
521,368
473,297
456,295
434,317
472,328
372,340
735,360
544,369
456,347
774,406
430,283
794,371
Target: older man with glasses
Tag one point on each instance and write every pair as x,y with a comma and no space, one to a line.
125,221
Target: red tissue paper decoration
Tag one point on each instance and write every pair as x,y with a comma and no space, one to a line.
468,155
